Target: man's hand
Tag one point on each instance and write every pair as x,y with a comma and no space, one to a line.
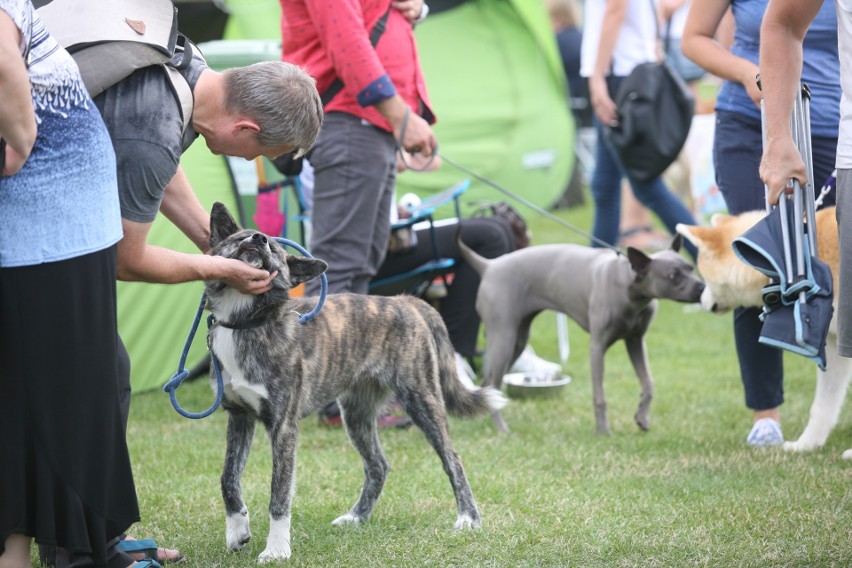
243,277
411,9
781,162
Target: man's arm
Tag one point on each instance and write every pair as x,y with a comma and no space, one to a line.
782,33
139,261
17,116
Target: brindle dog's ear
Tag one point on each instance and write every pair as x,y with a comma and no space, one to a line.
222,224
303,268
639,261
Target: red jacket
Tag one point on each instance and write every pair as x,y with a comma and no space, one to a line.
331,38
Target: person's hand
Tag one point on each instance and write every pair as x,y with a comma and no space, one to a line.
780,163
411,9
417,162
245,278
418,137
602,104
749,81
13,162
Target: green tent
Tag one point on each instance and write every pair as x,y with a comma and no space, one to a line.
497,86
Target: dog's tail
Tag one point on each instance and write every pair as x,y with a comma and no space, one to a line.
479,263
464,401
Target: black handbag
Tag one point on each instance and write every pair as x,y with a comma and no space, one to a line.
655,108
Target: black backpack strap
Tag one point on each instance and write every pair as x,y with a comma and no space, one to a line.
375,35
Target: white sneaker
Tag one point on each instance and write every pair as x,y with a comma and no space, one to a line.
465,372
765,432
529,362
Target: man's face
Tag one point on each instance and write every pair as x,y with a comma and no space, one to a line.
242,143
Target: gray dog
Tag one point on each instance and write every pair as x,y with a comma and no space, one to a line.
357,349
609,295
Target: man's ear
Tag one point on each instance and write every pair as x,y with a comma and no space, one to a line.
303,268
222,224
246,124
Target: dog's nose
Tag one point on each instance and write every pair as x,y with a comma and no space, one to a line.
259,237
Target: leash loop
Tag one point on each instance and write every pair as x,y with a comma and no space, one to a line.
182,374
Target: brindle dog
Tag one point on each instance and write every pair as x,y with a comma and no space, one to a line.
358,349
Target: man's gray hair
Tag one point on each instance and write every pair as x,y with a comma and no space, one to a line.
282,98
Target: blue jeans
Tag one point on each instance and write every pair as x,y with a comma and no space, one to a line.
606,191
737,148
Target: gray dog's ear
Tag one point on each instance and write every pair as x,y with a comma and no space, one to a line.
303,268
639,261
676,242
222,224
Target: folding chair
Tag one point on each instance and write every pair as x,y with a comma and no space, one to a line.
798,300
417,280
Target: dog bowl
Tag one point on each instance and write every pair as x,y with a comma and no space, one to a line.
531,385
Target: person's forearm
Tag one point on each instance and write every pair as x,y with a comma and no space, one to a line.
393,109
781,69
700,45
181,206
17,116
610,30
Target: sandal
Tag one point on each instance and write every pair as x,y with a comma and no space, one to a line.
149,550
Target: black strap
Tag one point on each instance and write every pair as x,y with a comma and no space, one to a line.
183,53
375,35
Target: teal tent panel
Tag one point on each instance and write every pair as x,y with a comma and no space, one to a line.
502,108
154,319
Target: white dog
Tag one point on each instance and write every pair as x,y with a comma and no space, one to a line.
731,283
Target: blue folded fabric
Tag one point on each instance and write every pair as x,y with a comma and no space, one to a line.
796,314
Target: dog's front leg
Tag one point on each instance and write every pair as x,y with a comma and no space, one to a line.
284,439
597,350
639,357
830,394
240,434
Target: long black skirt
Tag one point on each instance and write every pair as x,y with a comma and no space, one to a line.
65,474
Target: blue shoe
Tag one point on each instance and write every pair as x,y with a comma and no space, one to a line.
765,432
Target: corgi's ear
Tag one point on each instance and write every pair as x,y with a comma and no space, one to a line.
639,261
719,219
222,224
303,268
693,233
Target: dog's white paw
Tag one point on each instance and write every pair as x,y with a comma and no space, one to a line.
847,455
347,519
280,552
799,446
467,522
237,532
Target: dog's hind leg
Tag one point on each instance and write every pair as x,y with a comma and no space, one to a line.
830,394
639,357
427,412
284,438
240,433
359,415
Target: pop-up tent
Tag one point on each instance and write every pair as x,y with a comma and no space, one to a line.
496,83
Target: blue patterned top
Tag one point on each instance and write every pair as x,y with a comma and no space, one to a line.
64,202
820,69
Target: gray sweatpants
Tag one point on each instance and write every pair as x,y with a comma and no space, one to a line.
354,177
843,289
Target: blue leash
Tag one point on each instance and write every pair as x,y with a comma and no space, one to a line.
181,375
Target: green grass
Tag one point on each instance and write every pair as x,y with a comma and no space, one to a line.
687,493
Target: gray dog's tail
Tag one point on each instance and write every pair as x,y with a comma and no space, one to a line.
479,263
460,400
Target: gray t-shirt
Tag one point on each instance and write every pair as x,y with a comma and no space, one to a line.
143,116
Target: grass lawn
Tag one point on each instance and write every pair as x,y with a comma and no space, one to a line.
551,493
